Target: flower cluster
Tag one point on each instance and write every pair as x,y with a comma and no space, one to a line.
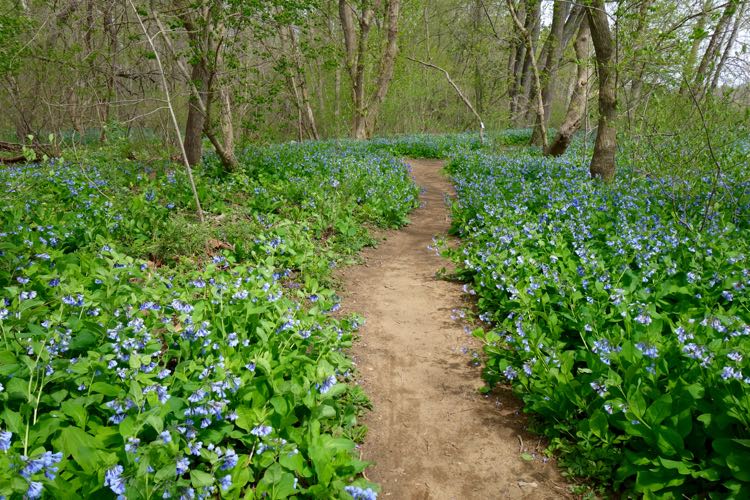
201,378
609,303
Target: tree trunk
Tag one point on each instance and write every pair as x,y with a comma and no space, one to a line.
532,26
708,61
226,120
641,60
728,49
196,118
387,64
304,95
689,66
516,65
364,112
552,50
114,48
603,160
528,36
577,105
478,80
337,96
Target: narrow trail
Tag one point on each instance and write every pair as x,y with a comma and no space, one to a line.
431,434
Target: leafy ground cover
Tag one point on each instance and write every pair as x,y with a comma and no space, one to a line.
620,315
146,355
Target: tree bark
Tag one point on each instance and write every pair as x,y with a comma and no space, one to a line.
689,65
709,59
516,65
193,141
730,43
208,57
553,49
641,63
387,64
365,111
603,159
532,26
534,68
297,82
577,105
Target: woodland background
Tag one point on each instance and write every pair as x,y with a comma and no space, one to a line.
84,70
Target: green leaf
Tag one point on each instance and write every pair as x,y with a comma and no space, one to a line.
75,410
82,446
669,441
659,410
200,479
13,421
106,389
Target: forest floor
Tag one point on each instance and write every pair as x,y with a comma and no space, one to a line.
431,434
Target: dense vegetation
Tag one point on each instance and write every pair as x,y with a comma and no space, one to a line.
145,357
619,313
168,309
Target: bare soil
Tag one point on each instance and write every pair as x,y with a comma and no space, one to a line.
432,435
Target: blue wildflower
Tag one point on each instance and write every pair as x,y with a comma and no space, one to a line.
5,437
261,431
230,459
113,479
327,384
225,482
182,466
35,490
361,494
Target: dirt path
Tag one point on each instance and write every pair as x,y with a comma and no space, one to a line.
431,434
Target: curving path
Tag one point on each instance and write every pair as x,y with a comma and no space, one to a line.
431,434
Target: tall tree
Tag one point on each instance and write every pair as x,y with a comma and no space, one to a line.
356,42
577,105
551,52
603,159
528,36
712,54
738,18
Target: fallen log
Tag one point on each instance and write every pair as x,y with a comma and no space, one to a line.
40,150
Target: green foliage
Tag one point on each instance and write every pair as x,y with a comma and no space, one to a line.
214,368
622,325
12,28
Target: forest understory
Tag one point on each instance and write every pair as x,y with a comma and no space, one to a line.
361,248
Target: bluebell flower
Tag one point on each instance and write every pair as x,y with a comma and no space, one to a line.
649,351
114,481
735,356
261,431
327,384
225,482
729,372
166,437
35,490
361,494
5,437
195,448
132,445
230,459
182,466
